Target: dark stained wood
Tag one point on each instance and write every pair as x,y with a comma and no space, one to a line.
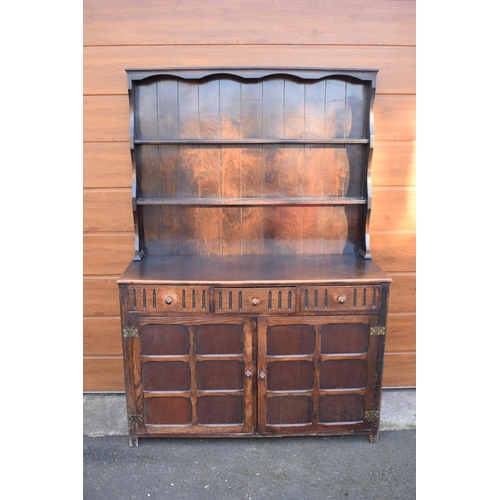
106,119
259,310
253,269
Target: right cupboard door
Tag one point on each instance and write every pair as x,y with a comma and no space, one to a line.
317,374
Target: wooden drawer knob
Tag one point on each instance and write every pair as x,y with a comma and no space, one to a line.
340,299
255,302
169,300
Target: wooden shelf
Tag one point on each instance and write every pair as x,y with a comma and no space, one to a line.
252,201
249,141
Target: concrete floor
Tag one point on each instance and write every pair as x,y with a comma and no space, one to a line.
314,468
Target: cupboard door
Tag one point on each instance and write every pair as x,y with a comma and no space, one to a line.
315,374
196,375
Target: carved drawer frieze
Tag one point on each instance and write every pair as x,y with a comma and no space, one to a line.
339,298
254,300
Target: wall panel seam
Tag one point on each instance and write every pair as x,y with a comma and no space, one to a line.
315,45
102,276
116,356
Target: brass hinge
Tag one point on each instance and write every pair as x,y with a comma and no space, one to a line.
130,332
377,330
371,415
135,419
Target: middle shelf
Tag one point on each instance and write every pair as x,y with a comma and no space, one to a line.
299,200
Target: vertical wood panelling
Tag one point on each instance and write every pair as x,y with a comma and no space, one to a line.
379,34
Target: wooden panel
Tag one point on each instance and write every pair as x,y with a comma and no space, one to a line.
401,332
395,117
106,374
106,119
102,337
107,165
394,163
171,340
103,71
152,22
400,370
402,297
107,211
393,209
107,254
100,297
103,374
394,251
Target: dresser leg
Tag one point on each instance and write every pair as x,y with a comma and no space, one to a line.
133,441
374,438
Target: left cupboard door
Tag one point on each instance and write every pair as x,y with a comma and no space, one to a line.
193,376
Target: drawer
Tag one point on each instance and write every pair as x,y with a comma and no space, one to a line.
340,298
164,299
254,300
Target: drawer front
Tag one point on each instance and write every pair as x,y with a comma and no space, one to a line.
254,300
340,298
194,299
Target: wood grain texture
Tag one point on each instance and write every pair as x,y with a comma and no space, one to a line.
394,163
100,297
103,71
402,298
395,117
394,251
401,333
152,22
110,210
400,370
107,253
102,337
107,210
106,165
393,209
106,119
104,374
378,34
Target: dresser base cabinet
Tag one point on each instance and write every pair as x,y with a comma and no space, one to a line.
306,360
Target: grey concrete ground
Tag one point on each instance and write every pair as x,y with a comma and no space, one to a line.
314,468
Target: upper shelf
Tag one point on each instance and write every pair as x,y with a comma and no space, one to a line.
273,110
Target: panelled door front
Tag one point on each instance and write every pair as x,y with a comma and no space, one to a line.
313,374
196,376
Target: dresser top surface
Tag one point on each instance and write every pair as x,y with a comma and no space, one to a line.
254,270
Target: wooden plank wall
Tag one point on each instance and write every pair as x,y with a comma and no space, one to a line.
326,33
